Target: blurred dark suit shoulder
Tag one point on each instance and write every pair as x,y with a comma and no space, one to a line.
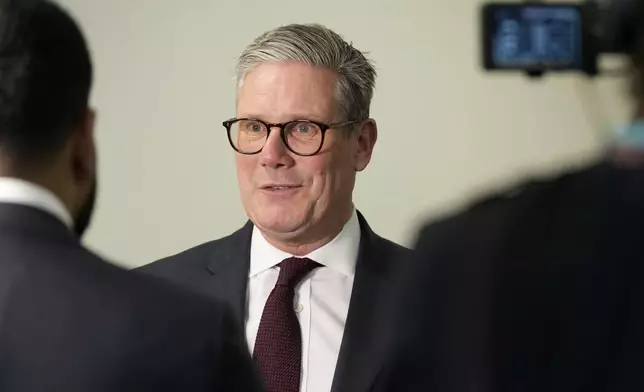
539,288
70,321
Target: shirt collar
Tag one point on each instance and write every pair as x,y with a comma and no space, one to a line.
340,254
16,191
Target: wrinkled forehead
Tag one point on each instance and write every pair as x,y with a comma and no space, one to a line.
287,91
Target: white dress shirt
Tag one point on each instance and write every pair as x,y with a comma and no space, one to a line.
15,191
321,299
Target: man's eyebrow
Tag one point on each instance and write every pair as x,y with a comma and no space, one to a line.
285,118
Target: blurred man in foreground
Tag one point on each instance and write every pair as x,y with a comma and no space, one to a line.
540,290
68,320
306,275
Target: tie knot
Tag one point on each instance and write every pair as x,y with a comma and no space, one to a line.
293,270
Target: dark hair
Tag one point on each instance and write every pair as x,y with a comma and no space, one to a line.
45,79
632,35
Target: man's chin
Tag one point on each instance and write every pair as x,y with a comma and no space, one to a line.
279,224
283,229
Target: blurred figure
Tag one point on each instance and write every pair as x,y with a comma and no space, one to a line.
537,289
306,275
68,320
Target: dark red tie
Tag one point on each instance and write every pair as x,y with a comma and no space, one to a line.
278,347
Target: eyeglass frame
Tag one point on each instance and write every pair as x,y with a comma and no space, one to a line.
282,126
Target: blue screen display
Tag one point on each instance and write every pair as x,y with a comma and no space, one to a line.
537,37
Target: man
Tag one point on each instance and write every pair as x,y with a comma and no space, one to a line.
68,320
306,275
540,289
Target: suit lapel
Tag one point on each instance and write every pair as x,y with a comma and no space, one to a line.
364,343
229,268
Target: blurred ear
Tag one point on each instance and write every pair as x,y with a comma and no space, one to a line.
84,150
367,134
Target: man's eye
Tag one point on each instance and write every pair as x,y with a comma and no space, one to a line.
254,127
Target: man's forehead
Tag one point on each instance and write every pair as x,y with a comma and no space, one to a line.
286,91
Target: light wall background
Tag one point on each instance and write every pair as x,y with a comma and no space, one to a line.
448,132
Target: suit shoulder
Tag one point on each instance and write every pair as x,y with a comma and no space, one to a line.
498,206
394,248
146,287
123,295
182,260
195,257
536,192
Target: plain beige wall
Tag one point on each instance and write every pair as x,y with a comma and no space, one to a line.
164,83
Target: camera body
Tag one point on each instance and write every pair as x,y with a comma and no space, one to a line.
536,37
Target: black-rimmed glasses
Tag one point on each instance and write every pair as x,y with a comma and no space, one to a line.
303,137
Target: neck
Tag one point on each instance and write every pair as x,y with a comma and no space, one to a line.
308,242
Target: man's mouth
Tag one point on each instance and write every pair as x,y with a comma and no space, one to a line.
279,187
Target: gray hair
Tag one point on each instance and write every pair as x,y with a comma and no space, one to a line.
317,46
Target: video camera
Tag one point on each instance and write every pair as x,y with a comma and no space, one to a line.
537,37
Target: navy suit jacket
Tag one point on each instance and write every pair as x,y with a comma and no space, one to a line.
219,269
71,322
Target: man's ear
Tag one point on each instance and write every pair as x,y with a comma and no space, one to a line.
84,150
367,134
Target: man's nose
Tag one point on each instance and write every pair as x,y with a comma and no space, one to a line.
275,153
